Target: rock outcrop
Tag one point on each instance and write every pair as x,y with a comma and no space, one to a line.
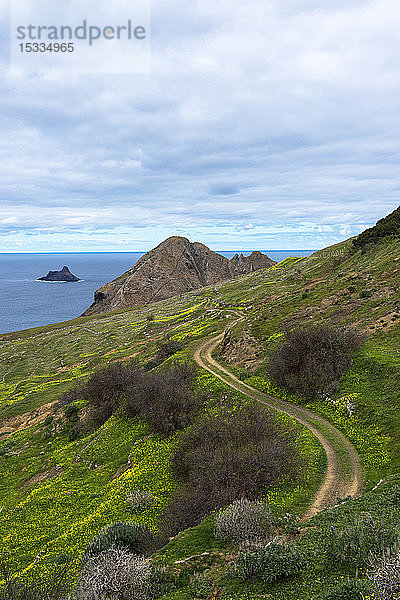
175,267
63,275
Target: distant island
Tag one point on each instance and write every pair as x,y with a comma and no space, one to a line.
63,275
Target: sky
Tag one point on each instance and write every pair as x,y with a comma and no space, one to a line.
270,124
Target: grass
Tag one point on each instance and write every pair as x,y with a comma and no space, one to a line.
56,494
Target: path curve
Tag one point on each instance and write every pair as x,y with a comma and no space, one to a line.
343,475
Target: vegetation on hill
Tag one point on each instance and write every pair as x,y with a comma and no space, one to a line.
389,225
111,462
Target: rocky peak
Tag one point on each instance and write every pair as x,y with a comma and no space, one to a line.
174,267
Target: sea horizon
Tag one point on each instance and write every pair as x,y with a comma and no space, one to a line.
26,302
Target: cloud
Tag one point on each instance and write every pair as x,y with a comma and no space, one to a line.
273,113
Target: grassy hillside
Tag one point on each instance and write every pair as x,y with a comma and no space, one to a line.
56,493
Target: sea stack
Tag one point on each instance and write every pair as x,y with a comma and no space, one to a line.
173,268
63,275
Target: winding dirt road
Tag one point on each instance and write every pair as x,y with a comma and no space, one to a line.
344,473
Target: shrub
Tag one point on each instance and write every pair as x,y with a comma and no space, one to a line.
384,575
243,374
104,391
167,348
150,317
222,459
304,295
134,537
365,294
353,545
353,589
244,521
71,411
310,361
115,573
139,500
166,399
200,585
272,563
389,225
352,289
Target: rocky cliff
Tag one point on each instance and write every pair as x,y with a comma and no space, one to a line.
174,267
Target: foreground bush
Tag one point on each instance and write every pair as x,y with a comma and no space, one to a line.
116,573
353,589
384,576
272,563
133,537
244,521
353,546
310,360
223,459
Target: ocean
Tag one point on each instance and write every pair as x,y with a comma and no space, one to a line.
26,303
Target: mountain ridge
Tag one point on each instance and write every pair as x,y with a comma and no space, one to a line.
174,267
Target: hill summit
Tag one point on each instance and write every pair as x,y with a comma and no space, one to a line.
174,267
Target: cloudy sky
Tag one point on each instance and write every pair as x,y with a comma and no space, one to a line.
270,124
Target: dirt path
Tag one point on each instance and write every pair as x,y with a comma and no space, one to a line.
343,475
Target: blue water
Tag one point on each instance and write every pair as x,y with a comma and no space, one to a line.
25,302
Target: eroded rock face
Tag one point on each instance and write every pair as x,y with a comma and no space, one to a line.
63,275
175,267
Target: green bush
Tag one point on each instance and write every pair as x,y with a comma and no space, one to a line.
134,537
200,585
272,563
243,374
388,226
365,294
353,589
353,546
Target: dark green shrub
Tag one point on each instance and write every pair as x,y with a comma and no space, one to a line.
353,589
243,374
48,420
272,563
353,545
71,411
150,317
365,294
388,226
309,361
167,348
134,537
151,364
352,289
200,585
304,295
